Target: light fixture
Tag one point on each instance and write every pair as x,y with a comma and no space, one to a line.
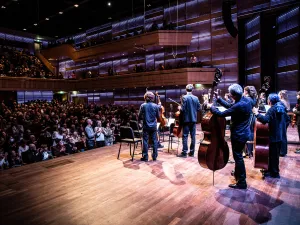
133,52
56,36
109,4
3,7
47,19
61,13
35,24
79,28
109,18
24,29
76,5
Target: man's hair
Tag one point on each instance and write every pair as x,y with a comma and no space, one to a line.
273,98
189,87
236,90
149,96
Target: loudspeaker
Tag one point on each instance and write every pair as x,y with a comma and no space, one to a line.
226,14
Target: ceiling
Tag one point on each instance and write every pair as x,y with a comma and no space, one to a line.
23,14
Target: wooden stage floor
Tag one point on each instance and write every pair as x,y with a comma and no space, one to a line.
93,187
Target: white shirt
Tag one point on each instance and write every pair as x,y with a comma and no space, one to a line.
21,149
99,136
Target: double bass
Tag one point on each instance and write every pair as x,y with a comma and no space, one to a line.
213,151
177,130
162,118
261,135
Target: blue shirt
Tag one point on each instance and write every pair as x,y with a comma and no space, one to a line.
149,112
240,113
189,108
89,132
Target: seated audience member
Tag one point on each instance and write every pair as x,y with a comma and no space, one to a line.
4,164
23,151
193,61
59,149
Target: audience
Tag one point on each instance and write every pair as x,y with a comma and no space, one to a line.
14,63
40,130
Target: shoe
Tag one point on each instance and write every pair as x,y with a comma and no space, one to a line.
144,159
297,151
160,146
182,155
282,155
154,159
268,174
191,154
238,186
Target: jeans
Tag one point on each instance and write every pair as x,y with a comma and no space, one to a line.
188,128
274,150
152,133
90,144
240,170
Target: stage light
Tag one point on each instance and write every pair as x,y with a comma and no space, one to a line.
109,4
3,7
61,12
47,19
76,5
79,28
24,29
35,24
109,18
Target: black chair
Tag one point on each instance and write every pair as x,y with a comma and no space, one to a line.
127,136
135,127
171,137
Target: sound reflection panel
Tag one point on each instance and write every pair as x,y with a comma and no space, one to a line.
288,52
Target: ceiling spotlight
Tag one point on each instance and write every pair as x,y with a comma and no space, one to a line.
24,29
47,19
35,24
3,7
76,5
61,13
109,4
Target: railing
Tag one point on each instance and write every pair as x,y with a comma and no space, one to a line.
146,40
145,79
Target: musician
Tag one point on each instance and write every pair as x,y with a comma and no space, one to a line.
284,100
296,111
275,117
189,108
250,93
149,113
240,112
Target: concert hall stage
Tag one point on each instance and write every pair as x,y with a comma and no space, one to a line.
93,188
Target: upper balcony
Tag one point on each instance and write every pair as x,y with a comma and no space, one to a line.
173,77
146,40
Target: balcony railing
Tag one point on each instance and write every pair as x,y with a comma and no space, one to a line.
145,79
146,40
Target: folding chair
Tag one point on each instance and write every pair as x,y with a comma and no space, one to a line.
127,136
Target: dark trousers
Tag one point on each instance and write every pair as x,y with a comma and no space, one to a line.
298,126
100,144
152,133
188,128
283,150
240,170
90,144
251,137
274,150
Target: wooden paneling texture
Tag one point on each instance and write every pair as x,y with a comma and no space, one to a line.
145,79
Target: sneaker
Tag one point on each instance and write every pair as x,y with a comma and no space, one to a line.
297,151
182,155
238,186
